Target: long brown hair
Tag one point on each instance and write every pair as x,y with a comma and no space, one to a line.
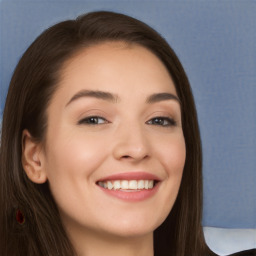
32,86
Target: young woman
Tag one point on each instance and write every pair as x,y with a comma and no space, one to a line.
100,147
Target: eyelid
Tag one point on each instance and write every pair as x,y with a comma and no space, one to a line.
93,112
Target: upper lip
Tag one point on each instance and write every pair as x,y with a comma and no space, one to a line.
131,176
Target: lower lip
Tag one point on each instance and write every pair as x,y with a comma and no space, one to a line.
132,196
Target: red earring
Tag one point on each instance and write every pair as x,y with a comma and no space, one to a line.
20,217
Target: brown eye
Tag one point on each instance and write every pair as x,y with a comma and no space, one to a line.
93,120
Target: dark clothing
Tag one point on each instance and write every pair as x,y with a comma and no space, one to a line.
251,252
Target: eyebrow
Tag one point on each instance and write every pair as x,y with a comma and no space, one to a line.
157,97
107,96
94,94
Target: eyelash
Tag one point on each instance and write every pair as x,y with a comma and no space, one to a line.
159,120
164,121
87,120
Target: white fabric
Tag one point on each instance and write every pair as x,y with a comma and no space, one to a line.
224,241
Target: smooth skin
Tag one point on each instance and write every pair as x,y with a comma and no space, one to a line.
91,135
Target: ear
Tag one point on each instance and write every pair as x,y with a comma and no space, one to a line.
32,159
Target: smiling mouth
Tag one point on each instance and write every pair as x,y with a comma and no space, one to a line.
128,185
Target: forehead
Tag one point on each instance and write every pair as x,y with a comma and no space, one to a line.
117,67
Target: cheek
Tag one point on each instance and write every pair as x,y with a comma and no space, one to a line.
71,160
173,155
74,153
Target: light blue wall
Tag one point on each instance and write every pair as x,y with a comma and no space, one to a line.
216,42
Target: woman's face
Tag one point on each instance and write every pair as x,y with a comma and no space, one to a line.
114,131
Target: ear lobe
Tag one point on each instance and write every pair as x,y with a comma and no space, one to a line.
32,159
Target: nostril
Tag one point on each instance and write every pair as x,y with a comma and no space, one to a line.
131,157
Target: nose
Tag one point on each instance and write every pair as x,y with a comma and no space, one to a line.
131,144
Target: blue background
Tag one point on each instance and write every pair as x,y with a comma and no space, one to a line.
216,42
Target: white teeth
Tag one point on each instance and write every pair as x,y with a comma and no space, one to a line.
151,184
110,185
146,184
140,184
124,184
127,185
133,184
117,184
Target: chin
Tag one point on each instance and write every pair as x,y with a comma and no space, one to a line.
126,228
